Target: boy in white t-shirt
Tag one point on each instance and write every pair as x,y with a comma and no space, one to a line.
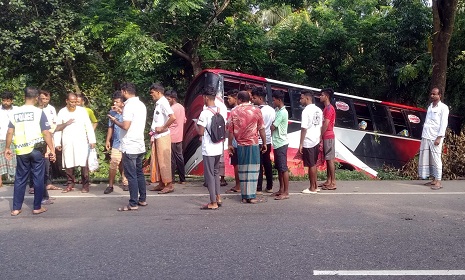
211,152
310,133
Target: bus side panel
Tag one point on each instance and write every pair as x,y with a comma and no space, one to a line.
377,150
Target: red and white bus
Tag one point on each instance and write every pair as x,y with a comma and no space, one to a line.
391,137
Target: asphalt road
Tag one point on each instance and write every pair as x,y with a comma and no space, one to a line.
366,226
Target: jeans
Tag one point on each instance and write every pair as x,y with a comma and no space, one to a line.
265,164
47,180
132,164
34,163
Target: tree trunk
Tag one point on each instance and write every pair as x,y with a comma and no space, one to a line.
73,76
196,65
443,24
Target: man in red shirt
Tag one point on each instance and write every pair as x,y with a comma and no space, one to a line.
245,124
177,131
327,135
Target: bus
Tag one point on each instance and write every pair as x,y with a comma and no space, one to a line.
390,136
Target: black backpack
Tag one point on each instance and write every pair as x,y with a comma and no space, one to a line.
218,127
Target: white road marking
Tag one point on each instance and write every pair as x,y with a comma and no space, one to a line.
237,194
389,272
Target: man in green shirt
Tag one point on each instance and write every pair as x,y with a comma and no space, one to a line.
280,144
83,102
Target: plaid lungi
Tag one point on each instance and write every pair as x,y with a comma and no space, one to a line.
248,166
7,166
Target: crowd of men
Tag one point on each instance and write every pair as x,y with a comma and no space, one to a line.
31,134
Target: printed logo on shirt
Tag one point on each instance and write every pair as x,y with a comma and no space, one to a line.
24,117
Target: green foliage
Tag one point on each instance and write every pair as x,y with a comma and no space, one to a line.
372,48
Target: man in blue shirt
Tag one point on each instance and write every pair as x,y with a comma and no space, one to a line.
113,134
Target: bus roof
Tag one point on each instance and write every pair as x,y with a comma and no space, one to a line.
297,86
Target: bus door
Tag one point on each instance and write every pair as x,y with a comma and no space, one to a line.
296,107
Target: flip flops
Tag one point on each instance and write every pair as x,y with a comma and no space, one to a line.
16,212
128,208
53,188
281,197
206,207
232,190
39,211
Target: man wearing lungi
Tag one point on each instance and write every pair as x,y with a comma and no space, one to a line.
432,138
245,123
7,167
160,159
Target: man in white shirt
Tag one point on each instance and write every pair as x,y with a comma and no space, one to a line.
211,152
160,158
7,167
74,135
310,134
133,145
432,138
51,114
268,113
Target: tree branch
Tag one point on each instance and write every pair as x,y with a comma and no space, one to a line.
181,54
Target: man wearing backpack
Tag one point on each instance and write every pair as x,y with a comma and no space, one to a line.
246,122
211,126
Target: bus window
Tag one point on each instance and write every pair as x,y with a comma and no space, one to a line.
415,122
381,119
344,113
295,105
230,84
400,125
363,116
287,103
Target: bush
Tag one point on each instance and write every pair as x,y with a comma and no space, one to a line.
453,158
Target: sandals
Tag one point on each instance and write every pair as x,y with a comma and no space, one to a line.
166,190
142,203
53,188
252,200
39,211
281,197
16,212
232,190
128,208
31,190
328,189
67,189
207,207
